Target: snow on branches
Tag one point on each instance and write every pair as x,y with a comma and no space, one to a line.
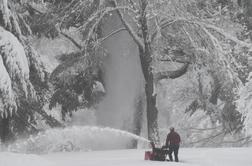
10,18
7,101
14,72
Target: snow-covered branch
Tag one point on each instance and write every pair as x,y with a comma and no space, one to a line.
207,139
179,59
7,99
208,26
103,12
99,19
223,33
172,74
15,72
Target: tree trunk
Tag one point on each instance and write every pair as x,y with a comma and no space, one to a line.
216,90
138,118
4,129
152,112
146,59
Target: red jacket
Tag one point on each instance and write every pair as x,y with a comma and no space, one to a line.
173,138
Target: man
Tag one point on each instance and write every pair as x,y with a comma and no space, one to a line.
173,141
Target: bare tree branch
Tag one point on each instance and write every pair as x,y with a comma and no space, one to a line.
131,31
245,139
50,120
162,26
111,34
208,138
201,129
71,39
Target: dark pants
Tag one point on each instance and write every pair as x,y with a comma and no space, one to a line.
173,148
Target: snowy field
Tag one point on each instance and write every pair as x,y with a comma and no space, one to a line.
188,157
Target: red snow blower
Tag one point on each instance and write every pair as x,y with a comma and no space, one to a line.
157,154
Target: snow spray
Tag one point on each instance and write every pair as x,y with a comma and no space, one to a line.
76,138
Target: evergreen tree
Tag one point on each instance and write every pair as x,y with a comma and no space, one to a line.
23,75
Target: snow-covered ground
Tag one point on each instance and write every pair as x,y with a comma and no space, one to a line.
91,146
188,157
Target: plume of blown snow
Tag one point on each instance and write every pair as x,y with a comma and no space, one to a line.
76,138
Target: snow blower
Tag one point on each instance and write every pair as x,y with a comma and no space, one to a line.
157,154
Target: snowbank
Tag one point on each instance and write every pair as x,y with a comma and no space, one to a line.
187,156
14,159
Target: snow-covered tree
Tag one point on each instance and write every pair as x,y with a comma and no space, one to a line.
23,75
183,32
15,69
78,83
215,86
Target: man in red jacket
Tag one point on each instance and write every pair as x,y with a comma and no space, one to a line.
173,141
